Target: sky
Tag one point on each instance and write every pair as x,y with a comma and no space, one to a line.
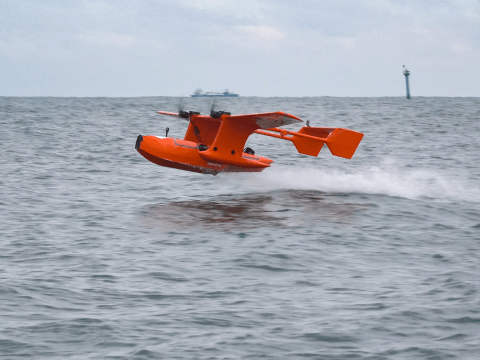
251,47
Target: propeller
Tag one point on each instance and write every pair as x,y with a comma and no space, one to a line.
217,114
181,113
212,108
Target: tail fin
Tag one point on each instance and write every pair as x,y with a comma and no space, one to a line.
310,147
307,146
341,142
344,142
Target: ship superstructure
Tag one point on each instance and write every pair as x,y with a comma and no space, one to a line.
200,93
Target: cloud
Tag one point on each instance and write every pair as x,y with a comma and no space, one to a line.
348,43
262,32
106,39
261,47
204,4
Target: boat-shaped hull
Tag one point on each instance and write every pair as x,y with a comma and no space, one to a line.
186,155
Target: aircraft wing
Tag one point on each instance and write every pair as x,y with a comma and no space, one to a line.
265,120
235,130
227,148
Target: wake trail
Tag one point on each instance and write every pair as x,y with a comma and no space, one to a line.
405,183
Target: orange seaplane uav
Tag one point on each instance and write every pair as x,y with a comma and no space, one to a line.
215,143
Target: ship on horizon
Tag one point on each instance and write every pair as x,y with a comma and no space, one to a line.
200,93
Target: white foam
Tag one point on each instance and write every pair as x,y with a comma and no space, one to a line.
384,180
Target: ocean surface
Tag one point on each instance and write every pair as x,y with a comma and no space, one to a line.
105,255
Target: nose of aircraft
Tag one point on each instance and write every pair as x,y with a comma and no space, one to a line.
139,141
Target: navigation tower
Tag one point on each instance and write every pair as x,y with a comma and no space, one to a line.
407,74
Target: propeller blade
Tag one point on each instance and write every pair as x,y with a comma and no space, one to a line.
182,114
214,99
180,106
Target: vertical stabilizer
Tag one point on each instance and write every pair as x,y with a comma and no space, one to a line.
344,142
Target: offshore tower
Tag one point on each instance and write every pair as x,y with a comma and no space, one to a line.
407,74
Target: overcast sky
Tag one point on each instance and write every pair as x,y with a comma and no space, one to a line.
253,47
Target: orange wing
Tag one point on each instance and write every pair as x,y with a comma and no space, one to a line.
234,132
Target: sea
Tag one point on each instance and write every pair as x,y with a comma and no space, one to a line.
105,255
